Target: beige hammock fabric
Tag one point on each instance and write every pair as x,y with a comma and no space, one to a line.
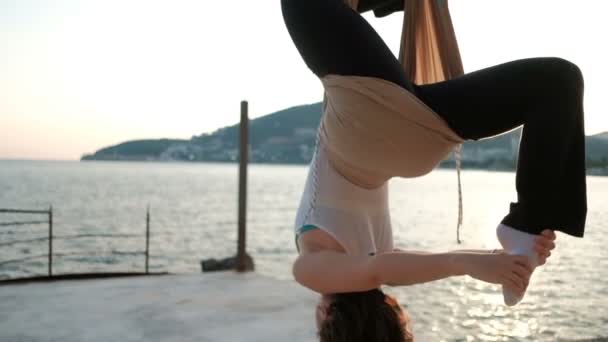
429,50
374,129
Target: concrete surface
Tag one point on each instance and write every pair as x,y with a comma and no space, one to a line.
221,307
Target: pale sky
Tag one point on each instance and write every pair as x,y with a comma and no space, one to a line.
79,75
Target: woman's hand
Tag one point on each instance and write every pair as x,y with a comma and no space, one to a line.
512,271
544,244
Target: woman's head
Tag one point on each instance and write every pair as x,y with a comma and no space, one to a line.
362,316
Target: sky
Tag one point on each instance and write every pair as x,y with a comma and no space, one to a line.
79,75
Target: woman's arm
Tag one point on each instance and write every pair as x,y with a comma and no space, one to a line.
511,271
335,272
544,244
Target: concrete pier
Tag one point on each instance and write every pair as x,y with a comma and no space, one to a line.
198,307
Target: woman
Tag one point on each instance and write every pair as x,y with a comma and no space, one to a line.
378,124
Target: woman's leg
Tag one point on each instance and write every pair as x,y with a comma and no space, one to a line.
334,39
545,95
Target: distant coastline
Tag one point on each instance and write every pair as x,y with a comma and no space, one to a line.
288,137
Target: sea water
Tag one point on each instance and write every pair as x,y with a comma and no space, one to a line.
193,216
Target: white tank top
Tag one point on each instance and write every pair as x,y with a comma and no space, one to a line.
357,218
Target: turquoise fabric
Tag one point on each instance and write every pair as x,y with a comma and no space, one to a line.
301,230
306,228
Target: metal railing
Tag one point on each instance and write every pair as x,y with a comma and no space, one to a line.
50,253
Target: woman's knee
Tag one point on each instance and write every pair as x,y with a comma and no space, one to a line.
564,73
565,90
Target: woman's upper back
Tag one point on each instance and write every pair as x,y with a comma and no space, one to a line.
350,218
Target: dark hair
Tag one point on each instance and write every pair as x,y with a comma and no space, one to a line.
363,317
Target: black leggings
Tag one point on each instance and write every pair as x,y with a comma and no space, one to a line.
543,94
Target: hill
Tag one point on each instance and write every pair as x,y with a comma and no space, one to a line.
288,136
136,150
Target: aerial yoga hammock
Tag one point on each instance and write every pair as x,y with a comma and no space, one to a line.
385,118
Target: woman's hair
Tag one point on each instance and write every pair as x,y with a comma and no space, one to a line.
364,317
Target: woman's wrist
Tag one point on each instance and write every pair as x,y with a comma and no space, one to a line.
458,263
461,260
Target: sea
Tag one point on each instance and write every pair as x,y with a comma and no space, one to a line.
99,225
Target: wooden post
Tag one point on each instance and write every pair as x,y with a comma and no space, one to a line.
50,241
243,261
147,237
